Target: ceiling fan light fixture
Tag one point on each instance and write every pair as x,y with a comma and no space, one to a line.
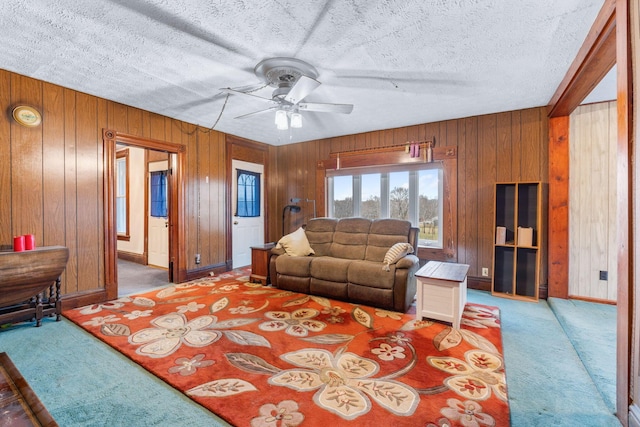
293,81
296,120
281,120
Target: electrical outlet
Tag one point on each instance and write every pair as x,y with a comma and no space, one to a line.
485,272
197,258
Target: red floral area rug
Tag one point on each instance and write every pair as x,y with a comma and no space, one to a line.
259,356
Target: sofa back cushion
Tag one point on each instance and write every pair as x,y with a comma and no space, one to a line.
385,233
350,238
320,234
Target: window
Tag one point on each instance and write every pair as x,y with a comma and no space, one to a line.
159,194
248,203
122,194
410,192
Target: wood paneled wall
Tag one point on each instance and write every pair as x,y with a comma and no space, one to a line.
51,176
504,147
592,201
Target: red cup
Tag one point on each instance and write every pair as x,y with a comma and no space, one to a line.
29,242
18,243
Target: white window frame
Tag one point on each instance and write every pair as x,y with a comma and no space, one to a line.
414,173
122,191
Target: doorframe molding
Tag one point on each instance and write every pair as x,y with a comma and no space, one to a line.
177,163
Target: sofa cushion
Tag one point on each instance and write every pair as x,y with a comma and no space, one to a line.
328,289
296,243
294,266
368,273
294,283
375,297
383,235
329,268
350,238
319,232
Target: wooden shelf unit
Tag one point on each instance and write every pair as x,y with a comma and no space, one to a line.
516,261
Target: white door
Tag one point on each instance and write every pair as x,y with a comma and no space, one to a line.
247,230
158,226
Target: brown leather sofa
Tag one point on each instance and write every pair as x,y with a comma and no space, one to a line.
348,263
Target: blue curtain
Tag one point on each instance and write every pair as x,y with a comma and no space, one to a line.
159,194
248,190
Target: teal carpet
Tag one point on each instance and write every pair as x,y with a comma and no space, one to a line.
84,382
589,327
548,383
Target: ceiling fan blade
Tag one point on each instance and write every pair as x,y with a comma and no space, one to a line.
237,92
303,87
326,108
256,112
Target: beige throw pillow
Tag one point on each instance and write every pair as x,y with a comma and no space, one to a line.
395,253
296,243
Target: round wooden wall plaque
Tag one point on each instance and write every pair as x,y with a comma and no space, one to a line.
27,116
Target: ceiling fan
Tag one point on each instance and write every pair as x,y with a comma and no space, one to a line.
293,81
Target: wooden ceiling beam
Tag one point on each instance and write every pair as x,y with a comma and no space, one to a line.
594,60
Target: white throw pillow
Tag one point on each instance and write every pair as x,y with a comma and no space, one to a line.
296,243
395,253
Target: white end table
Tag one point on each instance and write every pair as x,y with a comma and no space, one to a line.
442,291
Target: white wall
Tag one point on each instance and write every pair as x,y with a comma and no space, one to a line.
137,182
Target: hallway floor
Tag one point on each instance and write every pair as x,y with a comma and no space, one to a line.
134,278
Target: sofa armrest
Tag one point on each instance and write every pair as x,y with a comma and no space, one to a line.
274,253
407,261
404,287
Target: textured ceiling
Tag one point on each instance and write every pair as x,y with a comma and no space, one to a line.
399,62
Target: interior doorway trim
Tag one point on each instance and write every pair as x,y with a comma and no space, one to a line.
177,163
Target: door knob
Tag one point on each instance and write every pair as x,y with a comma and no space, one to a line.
235,222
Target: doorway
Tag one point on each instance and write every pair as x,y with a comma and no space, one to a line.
176,271
247,196
142,218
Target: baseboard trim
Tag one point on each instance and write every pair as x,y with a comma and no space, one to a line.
484,284
596,300
85,298
133,257
479,283
206,271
